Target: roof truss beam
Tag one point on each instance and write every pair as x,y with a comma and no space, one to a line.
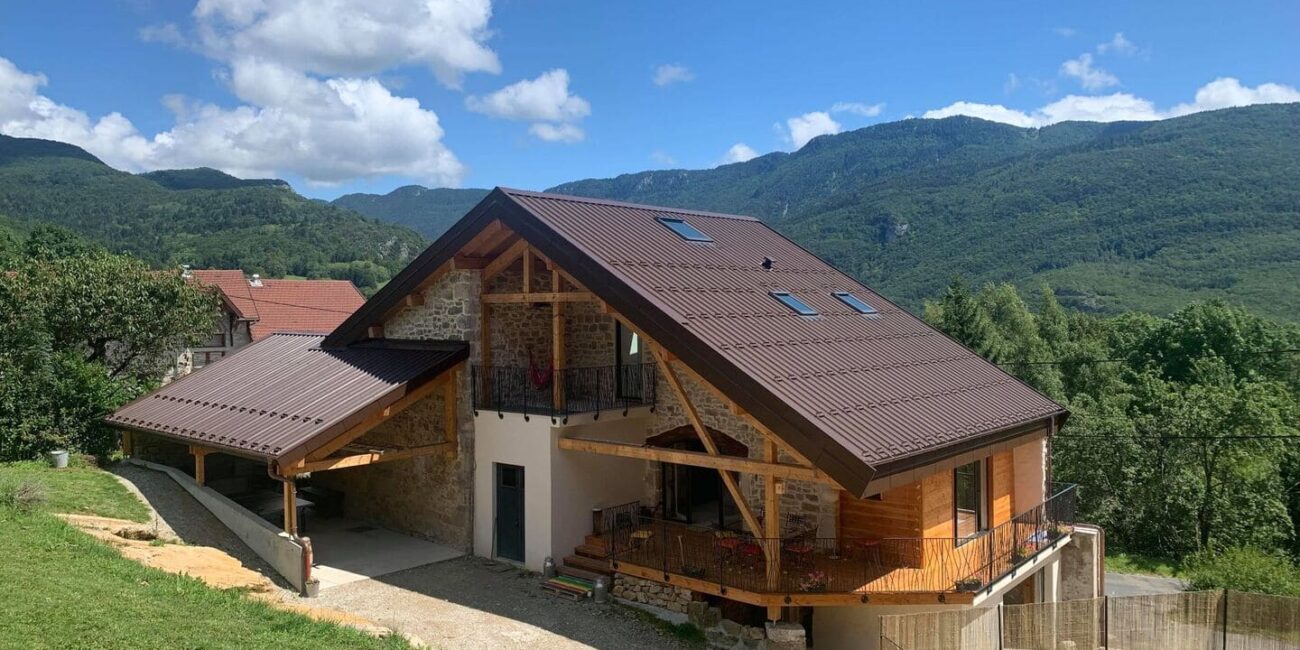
692,458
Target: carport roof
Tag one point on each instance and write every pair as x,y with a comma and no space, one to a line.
284,397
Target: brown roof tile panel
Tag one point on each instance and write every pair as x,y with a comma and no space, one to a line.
284,392
884,386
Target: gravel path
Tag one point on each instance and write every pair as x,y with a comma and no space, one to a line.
177,514
1133,584
478,604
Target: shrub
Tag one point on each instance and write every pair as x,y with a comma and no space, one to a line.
23,496
1244,569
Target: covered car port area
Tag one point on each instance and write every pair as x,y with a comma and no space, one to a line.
277,440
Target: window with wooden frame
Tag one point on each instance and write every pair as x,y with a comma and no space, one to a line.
970,501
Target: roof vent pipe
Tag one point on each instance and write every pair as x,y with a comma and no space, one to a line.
767,263
185,271
256,281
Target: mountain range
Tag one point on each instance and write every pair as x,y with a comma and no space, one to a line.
1117,216
1120,216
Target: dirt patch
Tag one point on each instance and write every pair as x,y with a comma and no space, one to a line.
135,534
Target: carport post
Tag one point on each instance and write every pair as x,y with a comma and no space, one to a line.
290,507
200,463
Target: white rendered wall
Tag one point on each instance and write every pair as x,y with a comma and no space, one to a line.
513,441
582,481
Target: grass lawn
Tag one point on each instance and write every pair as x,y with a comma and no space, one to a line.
1143,564
63,589
79,490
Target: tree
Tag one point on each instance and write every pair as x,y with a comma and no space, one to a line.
963,318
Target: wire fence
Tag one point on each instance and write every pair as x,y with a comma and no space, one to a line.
1200,620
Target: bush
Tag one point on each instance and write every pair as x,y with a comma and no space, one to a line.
1244,569
23,496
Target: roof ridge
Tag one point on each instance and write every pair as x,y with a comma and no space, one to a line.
624,204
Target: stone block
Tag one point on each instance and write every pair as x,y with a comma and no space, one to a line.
695,612
731,627
785,636
712,616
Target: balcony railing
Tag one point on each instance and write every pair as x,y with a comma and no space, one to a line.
557,394
810,564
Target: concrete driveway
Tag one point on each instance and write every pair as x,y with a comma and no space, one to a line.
1133,584
477,604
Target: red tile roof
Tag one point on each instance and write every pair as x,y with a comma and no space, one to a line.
315,306
859,396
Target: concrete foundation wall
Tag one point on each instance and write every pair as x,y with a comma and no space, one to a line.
273,545
1081,564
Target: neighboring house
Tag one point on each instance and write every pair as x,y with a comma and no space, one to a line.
253,309
686,400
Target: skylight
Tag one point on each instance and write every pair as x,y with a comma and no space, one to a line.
800,307
856,303
684,230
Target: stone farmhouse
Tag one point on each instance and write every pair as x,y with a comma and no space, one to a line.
684,403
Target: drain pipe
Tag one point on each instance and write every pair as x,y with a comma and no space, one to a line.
310,586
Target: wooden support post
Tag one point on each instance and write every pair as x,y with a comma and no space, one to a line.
558,356
772,518
290,507
774,613
200,463
451,429
528,270
485,338
128,445
688,408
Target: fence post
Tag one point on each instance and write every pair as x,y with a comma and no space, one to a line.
1001,635
1105,622
1225,618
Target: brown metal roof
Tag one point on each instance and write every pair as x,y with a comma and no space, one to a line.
857,395
285,396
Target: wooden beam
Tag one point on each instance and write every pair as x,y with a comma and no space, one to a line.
482,243
688,408
469,262
692,458
200,463
290,508
128,443
771,518
484,339
358,460
504,260
554,296
413,299
375,332
528,270
371,422
558,355
451,430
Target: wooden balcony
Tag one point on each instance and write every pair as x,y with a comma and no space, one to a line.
806,570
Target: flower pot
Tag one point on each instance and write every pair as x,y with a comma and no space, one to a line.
58,458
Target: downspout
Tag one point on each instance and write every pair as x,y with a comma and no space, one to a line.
310,586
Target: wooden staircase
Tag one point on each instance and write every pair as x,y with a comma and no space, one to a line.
578,572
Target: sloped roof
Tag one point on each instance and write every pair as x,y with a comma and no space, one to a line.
858,395
285,396
316,306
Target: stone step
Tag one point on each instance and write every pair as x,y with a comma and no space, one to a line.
587,564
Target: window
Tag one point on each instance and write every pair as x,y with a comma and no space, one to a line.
800,307
969,500
684,230
856,303
628,359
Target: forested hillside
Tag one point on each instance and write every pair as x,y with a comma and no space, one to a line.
424,210
1125,216
259,226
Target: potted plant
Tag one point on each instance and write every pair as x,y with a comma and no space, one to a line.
813,582
1021,552
969,585
1055,531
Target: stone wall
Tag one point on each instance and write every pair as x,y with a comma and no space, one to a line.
649,592
429,496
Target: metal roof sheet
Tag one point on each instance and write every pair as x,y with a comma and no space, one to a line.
286,394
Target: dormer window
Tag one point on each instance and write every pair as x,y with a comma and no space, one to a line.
683,229
855,303
798,306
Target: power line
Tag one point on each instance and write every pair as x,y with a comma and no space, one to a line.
1063,436
1069,362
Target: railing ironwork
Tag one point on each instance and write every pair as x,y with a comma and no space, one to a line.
810,564
557,394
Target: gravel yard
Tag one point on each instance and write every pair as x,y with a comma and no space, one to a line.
475,603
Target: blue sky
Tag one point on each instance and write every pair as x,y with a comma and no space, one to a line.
337,97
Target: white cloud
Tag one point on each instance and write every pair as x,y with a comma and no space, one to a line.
352,37
671,73
1089,77
663,158
1118,45
1012,84
1065,32
1220,93
738,153
810,125
326,131
545,101
166,33
566,133
858,108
